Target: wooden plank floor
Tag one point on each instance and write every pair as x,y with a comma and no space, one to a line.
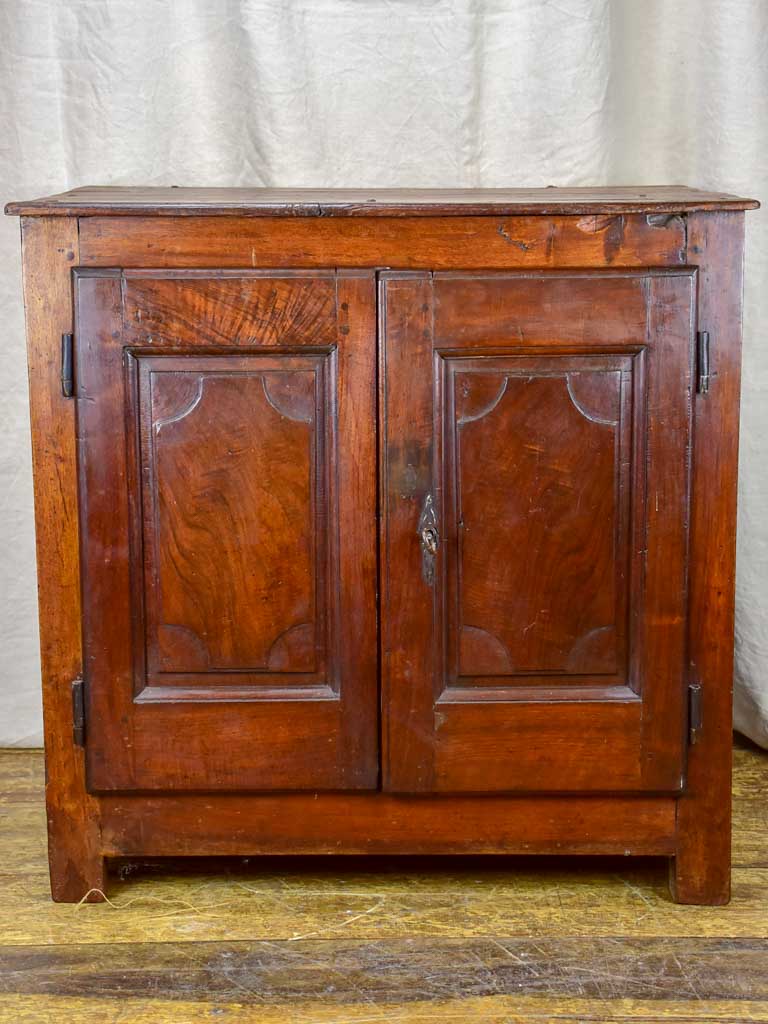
342,941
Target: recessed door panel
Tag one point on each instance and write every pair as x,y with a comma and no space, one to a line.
536,493
227,439
535,486
234,521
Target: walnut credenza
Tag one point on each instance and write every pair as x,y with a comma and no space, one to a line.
393,522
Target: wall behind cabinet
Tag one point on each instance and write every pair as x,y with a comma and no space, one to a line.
379,92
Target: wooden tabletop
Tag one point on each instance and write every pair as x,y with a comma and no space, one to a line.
279,202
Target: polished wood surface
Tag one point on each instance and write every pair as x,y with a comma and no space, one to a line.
430,243
234,520
384,823
229,603
395,940
701,868
536,509
547,418
50,252
119,200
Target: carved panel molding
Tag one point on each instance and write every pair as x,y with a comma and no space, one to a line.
537,458
233,457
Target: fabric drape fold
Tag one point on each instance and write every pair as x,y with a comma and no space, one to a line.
380,93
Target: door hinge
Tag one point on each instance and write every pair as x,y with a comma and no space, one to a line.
702,359
78,713
67,365
695,720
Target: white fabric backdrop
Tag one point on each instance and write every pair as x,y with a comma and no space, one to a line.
379,92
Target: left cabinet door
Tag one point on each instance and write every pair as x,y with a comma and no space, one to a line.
226,445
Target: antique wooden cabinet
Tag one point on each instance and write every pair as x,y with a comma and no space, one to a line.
386,522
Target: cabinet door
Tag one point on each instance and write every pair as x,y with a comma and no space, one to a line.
536,446
226,425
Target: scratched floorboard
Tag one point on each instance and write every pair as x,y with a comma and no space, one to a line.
459,941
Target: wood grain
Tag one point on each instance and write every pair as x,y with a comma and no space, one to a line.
50,252
407,971
701,869
228,530
233,526
121,200
543,507
210,705
431,243
499,1010
383,823
406,941
532,468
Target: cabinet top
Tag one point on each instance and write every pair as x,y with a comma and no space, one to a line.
310,202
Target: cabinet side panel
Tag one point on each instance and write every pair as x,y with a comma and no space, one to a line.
702,868
50,250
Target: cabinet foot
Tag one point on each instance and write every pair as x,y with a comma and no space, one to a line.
78,881
700,880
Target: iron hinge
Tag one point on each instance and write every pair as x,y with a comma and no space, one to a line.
78,713
67,365
702,359
695,717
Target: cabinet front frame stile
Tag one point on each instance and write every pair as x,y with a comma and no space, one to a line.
76,862
691,829
701,871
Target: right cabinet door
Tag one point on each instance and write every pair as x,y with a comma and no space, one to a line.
535,485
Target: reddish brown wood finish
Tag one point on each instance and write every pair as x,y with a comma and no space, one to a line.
227,455
626,334
428,242
349,823
385,202
74,841
701,871
536,508
234,524
547,416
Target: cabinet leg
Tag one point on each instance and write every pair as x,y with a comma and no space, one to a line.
700,877
77,868
76,863
76,873
702,866
700,872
